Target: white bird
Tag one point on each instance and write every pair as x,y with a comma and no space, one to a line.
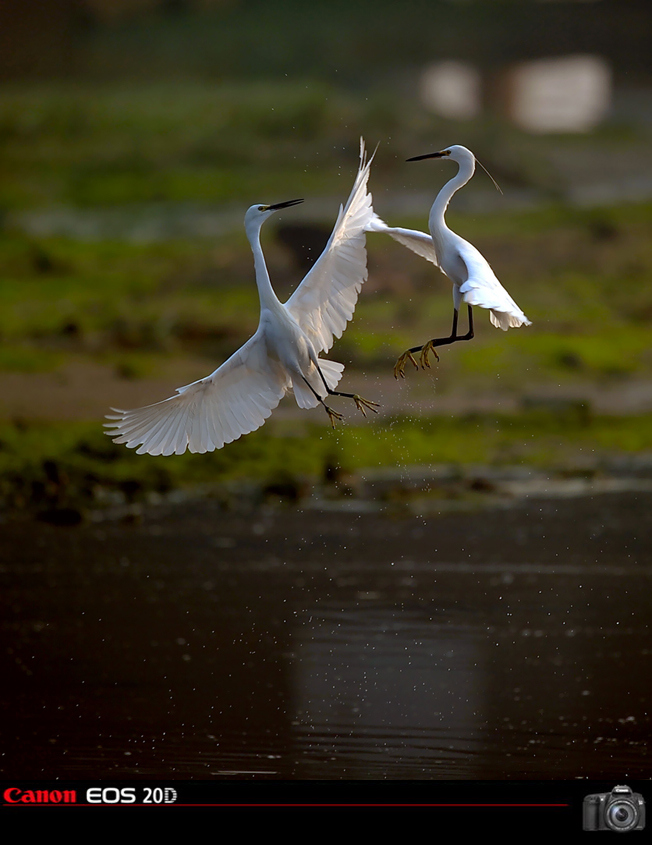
281,356
473,279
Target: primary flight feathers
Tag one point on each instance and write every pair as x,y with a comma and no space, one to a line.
281,356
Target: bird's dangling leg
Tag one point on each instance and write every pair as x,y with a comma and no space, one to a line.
429,347
332,415
360,403
399,366
445,341
426,349
470,333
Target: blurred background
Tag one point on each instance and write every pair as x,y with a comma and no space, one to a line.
452,589
134,134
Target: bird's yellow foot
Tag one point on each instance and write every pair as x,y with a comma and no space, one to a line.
361,404
425,351
399,367
333,415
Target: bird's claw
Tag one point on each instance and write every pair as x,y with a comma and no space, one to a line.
361,404
425,351
399,367
333,415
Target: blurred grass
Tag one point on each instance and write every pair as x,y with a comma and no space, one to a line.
198,141
44,466
582,275
84,146
589,297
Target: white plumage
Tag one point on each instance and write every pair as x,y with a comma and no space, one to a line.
281,356
474,282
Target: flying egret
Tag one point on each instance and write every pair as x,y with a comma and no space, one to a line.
473,279
281,356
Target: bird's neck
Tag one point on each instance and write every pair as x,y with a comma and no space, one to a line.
268,298
464,173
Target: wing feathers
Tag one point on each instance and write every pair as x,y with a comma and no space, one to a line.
418,242
483,288
239,396
325,300
234,400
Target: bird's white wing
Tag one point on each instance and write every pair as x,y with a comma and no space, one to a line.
234,400
418,242
325,300
483,288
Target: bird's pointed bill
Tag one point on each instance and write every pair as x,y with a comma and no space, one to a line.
286,204
440,154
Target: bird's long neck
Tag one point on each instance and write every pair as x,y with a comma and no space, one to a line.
464,173
268,298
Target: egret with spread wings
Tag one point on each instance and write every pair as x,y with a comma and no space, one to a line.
473,279
282,355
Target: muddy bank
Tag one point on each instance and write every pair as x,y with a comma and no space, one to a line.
85,391
199,642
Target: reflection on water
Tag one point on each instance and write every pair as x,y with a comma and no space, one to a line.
522,686
382,688
161,650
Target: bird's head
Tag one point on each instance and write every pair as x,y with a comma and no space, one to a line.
258,213
457,153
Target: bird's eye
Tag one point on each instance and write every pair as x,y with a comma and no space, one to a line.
261,208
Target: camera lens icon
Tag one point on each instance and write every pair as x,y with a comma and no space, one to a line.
621,816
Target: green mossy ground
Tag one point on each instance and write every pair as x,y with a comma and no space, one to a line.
583,276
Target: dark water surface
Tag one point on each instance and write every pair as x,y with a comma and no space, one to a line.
509,643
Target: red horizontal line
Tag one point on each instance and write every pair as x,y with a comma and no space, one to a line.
117,804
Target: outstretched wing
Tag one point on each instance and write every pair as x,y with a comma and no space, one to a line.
234,400
325,300
483,288
418,242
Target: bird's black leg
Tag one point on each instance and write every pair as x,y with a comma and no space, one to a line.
333,415
360,403
445,341
399,369
469,335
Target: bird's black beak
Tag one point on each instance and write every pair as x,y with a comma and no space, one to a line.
287,204
430,155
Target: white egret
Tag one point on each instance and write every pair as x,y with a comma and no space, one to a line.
281,356
473,279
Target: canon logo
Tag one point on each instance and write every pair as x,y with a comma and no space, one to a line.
13,795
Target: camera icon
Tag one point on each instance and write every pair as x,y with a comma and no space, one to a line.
619,810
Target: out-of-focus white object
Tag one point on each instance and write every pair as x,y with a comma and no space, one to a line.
452,89
569,94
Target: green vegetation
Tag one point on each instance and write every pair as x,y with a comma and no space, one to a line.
174,142
590,300
46,466
137,306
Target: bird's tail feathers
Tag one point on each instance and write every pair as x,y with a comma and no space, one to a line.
503,320
304,396
332,371
504,313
